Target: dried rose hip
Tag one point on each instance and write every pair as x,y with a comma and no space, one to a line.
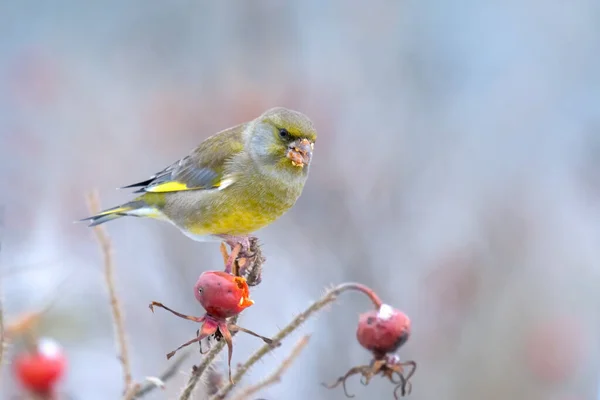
381,331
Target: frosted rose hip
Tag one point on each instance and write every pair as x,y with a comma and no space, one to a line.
383,331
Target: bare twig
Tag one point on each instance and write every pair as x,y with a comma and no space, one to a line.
130,393
276,375
165,376
329,297
118,323
197,371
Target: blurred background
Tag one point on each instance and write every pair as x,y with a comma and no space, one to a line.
457,173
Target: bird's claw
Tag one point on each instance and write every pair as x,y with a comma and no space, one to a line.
245,259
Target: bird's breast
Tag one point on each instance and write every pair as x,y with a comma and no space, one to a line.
242,208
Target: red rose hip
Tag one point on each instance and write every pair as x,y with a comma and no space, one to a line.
383,331
40,371
222,295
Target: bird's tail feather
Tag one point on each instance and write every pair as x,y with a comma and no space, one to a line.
134,208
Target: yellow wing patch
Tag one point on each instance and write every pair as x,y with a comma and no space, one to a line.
168,187
115,210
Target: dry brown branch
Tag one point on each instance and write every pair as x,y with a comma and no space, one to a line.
329,297
118,322
276,375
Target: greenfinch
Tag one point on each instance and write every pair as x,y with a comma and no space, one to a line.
234,183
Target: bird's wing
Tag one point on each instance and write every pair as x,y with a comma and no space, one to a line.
204,168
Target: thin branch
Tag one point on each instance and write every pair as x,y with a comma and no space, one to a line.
276,375
329,297
130,393
165,376
197,371
118,323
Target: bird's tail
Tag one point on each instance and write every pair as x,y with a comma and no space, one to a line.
136,208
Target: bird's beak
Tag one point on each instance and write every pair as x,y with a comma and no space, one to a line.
300,152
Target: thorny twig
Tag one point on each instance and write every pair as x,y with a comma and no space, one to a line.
118,322
276,375
329,297
198,370
252,266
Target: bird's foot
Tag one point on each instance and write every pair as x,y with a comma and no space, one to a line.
245,259
231,266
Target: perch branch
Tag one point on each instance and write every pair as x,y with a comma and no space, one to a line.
118,323
276,375
329,297
252,267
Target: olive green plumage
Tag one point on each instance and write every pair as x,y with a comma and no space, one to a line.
234,183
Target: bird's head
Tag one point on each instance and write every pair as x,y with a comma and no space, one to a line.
283,139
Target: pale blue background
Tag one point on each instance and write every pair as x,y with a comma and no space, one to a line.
446,127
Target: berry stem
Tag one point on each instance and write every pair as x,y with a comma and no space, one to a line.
329,297
367,291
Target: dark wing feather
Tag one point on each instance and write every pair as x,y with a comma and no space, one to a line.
201,169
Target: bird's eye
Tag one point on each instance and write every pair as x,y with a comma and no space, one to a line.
283,133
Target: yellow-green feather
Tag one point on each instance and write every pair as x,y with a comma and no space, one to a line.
243,208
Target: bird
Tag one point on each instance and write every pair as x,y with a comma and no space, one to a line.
232,184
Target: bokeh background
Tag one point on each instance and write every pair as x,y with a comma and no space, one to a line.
457,172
